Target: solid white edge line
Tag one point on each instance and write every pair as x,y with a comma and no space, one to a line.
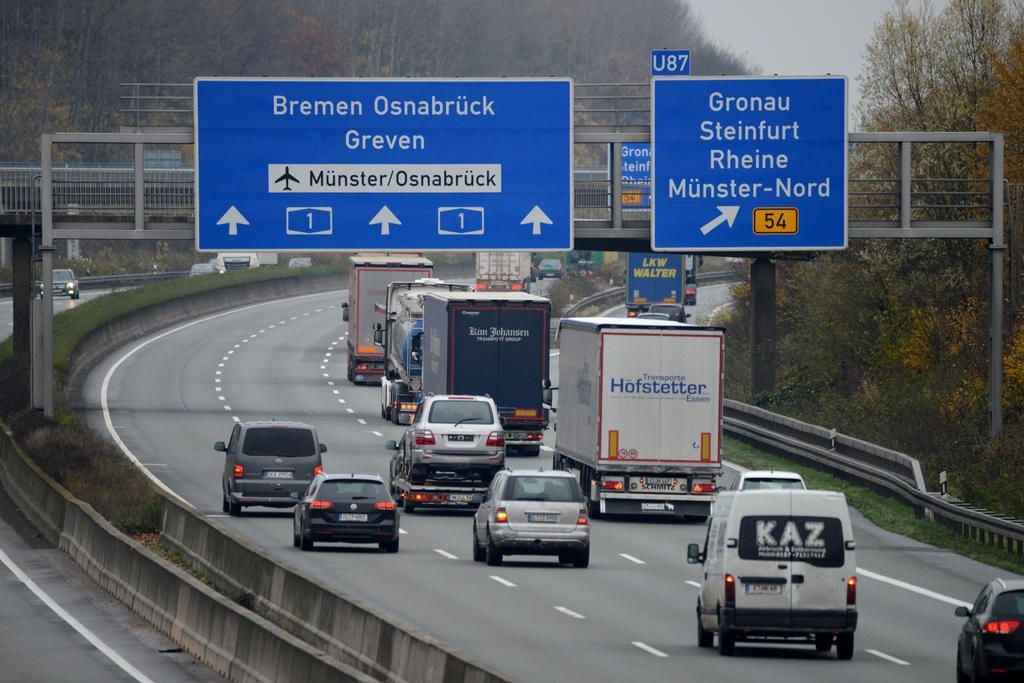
503,582
105,388
93,639
569,612
888,658
648,649
445,553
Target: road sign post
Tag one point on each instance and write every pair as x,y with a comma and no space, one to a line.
749,164
383,165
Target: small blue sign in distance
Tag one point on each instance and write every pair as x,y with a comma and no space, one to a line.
383,164
749,164
670,63
636,175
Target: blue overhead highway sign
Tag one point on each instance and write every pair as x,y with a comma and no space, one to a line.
749,164
383,164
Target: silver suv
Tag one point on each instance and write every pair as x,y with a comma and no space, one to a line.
268,463
532,512
453,440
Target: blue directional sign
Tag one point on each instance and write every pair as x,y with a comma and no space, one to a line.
636,175
749,164
670,62
383,164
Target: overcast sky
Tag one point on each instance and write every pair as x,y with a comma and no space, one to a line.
798,37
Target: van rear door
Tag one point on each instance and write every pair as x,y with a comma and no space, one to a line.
763,569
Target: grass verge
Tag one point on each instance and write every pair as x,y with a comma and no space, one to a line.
887,513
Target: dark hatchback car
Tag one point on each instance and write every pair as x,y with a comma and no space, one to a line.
550,267
673,311
268,463
346,508
991,642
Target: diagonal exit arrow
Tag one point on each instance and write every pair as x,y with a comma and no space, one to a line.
728,213
233,218
536,217
385,218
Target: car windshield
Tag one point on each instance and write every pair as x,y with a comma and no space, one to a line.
1009,605
550,264
769,484
61,275
557,489
351,489
453,412
282,442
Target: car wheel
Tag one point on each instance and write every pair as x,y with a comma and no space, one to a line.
705,638
492,554
296,541
961,677
479,554
306,541
823,642
564,558
385,413
234,509
844,646
726,642
581,560
224,503
389,546
593,508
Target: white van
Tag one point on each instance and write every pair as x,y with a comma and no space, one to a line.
778,567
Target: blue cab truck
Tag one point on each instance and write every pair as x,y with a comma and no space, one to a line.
494,344
654,279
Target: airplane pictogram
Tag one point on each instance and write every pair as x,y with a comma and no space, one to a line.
288,178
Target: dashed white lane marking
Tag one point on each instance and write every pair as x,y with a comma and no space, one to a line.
648,649
632,559
694,584
888,658
548,449
566,610
72,622
361,421
330,383
403,531
341,400
335,392
445,553
503,582
235,418
227,408
912,588
221,398
349,410
376,433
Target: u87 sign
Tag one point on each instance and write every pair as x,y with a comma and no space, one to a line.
749,164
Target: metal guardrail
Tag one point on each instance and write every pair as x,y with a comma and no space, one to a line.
891,472
112,281
611,295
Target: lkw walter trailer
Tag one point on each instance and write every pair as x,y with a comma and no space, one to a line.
639,414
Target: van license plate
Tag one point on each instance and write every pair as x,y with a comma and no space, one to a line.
278,474
352,517
460,497
762,588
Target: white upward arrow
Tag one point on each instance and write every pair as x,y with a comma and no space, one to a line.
536,217
728,213
385,218
232,218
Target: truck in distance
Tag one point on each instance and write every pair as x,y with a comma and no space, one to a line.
401,337
368,279
640,414
654,278
503,271
494,344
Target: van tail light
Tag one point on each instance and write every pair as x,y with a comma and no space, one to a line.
495,439
1003,627
321,505
319,469
425,437
582,518
730,589
501,516
851,591
239,472
384,505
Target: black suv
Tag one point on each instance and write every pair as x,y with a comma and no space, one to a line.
268,463
991,642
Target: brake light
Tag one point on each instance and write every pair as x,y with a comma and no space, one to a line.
851,591
501,516
495,439
1003,627
319,469
582,518
425,437
610,485
691,290
730,589
703,487
362,367
239,472
321,505
631,314
384,505
517,286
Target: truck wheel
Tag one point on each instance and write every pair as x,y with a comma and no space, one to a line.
704,638
492,554
822,642
351,371
844,645
726,643
407,505
593,508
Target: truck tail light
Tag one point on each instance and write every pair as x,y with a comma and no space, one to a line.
612,485
851,591
238,472
517,286
384,505
703,487
631,314
496,439
321,505
425,437
730,589
501,516
362,367
481,286
319,469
